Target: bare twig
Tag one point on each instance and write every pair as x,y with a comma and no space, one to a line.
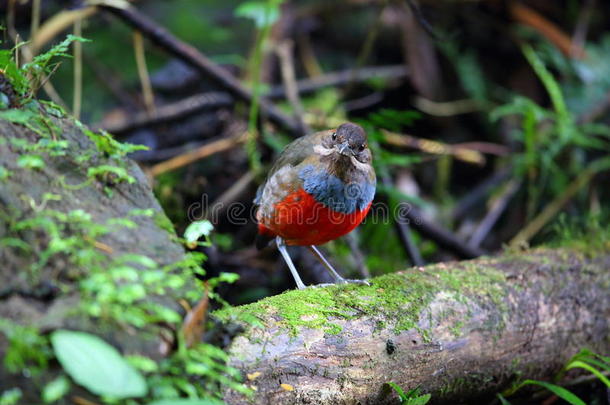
582,24
552,208
57,24
77,48
447,108
434,147
204,151
404,232
549,30
479,192
356,253
308,56
147,91
341,78
443,237
219,206
498,206
173,112
164,39
419,16
284,53
35,24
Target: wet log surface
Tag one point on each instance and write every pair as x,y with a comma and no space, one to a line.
460,331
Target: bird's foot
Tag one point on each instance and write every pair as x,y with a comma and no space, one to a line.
339,282
353,281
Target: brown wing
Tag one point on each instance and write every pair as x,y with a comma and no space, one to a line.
292,155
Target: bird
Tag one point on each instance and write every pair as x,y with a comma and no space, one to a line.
320,188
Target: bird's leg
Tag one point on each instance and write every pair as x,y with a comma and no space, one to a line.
338,279
281,246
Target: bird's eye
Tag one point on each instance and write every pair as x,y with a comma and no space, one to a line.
362,146
334,136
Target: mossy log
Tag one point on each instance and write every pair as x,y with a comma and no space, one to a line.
460,331
73,209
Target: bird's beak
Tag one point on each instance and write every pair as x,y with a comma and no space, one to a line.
344,149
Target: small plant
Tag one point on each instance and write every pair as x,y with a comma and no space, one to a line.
27,79
586,360
411,397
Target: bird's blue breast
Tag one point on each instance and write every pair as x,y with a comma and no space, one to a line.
334,193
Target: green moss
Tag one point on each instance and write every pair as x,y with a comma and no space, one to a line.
394,300
163,222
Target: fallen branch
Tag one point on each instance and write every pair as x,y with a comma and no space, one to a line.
212,100
172,112
164,39
460,331
443,237
210,148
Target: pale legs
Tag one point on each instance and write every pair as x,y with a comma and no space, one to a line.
281,246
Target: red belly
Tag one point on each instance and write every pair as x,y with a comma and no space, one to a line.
300,220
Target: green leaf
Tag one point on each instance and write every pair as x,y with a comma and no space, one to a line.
593,370
105,173
503,401
196,230
31,162
55,389
187,402
10,397
557,390
143,363
96,365
263,13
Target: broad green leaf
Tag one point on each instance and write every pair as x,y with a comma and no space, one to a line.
593,370
96,365
557,390
55,389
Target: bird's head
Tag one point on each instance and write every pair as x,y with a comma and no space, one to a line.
347,143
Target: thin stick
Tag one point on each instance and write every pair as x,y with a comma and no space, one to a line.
404,233
308,56
35,24
532,228
220,205
419,16
78,69
498,206
284,53
197,154
173,112
552,32
57,24
443,237
147,91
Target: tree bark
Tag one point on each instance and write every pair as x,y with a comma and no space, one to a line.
460,331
